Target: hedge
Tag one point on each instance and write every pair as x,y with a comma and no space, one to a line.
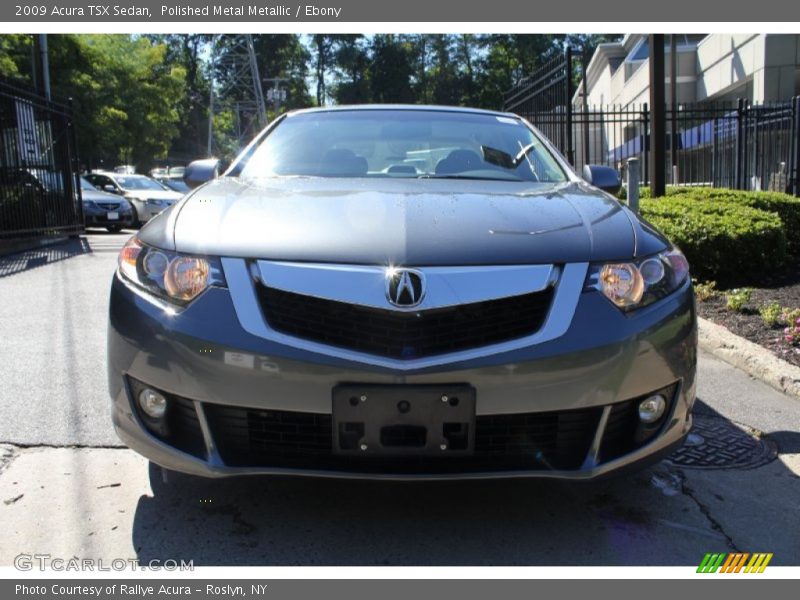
727,242
785,206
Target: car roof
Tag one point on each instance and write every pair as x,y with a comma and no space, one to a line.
409,107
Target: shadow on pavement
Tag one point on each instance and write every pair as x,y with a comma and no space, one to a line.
39,257
47,255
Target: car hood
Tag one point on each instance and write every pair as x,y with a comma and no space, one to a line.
153,195
98,196
401,221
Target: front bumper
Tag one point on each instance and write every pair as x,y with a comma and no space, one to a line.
100,219
207,360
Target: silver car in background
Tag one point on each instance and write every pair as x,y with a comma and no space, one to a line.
401,292
147,196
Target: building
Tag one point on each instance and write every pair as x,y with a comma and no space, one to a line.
718,67
714,142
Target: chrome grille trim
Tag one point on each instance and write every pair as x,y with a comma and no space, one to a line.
242,286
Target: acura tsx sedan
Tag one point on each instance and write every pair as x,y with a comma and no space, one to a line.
401,292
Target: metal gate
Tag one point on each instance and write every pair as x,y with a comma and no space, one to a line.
545,99
39,194
740,146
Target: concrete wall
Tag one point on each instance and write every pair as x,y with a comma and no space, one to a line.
630,84
757,67
764,67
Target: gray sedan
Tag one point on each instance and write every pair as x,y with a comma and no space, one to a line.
147,197
401,292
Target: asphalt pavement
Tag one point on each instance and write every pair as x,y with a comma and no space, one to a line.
69,488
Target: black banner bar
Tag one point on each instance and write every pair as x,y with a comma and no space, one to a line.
443,11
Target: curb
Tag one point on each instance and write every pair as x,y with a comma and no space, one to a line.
748,356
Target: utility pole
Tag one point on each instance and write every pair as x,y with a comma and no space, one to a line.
45,65
658,141
236,88
673,92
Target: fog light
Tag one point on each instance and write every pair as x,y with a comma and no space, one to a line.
153,404
651,409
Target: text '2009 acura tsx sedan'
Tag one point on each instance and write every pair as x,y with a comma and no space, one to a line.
401,292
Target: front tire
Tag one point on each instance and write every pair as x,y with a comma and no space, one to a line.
135,223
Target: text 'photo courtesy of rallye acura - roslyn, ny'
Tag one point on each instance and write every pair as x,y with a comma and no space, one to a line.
401,292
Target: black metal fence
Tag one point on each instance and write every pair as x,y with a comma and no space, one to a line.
548,93
734,145
39,195
711,144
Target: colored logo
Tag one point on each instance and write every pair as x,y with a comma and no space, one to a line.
735,562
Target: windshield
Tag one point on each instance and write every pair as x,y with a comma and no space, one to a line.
139,183
403,143
176,185
85,185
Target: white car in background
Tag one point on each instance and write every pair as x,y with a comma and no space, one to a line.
148,196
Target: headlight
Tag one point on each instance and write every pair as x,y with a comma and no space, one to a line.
156,202
89,204
632,285
176,277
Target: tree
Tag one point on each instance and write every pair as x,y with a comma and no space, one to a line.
125,94
323,46
350,70
390,70
186,51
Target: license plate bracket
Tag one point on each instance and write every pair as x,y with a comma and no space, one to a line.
403,420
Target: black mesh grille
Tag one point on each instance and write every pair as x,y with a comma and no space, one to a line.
184,427
258,438
624,432
404,335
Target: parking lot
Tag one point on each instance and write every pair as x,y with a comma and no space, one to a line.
70,489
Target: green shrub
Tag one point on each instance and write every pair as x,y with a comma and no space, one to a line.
785,206
723,241
771,314
704,291
737,299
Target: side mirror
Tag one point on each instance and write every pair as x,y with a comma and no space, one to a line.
201,171
110,188
605,178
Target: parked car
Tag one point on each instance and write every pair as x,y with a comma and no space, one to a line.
147,196
103,209
401,292
125,169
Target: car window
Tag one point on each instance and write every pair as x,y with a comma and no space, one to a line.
403,143
86,185
138,183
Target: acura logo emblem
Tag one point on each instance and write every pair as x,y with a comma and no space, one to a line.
405,287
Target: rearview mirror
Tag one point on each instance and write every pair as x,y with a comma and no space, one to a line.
605,178
199,172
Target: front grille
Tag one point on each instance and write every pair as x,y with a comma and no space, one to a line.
404,335
184,427
108,206
259,438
